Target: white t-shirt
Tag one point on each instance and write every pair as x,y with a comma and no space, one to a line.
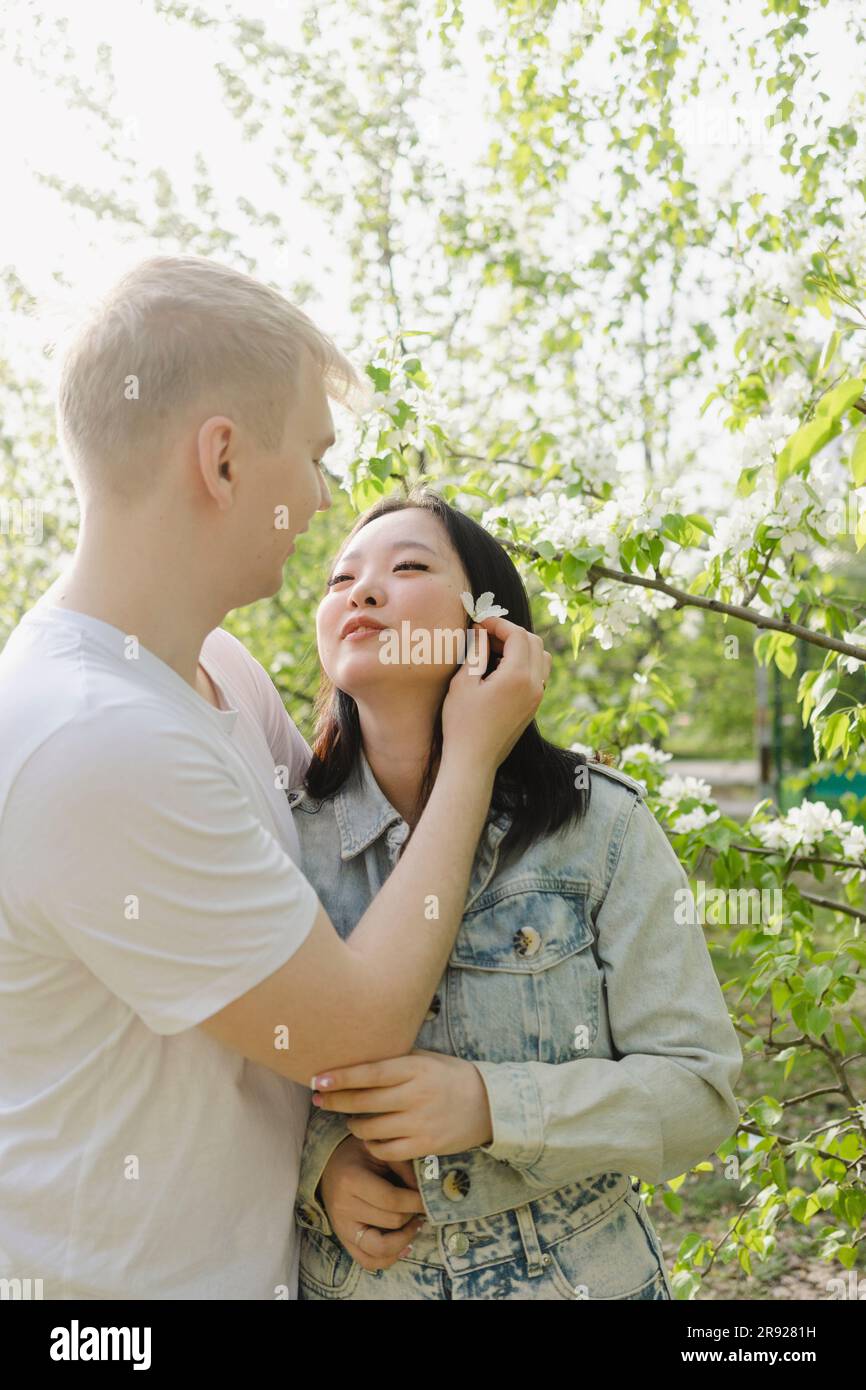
147,879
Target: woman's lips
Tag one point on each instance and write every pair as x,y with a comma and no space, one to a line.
361,632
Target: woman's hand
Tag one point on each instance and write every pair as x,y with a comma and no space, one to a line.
360,1199
483,717
424,1103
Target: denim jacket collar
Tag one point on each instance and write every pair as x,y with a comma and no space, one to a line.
363,813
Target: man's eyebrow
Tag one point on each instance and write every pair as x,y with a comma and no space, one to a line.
397,545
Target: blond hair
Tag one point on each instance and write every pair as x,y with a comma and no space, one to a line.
177,335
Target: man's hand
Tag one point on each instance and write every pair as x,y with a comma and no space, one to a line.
359,1199
424,1103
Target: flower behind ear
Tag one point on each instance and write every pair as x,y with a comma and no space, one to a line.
482,607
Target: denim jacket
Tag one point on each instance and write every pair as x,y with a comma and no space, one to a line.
595,1019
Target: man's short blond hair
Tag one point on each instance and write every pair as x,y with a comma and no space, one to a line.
175,339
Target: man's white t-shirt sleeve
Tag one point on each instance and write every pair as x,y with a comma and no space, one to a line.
163,880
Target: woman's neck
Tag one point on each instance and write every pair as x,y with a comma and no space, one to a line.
396,742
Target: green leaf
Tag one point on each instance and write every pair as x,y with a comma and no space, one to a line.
816,980
835,732
817,1021
828,352
786,660
858,460
810,438
380,376
381,467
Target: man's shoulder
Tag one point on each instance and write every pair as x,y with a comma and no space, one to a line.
65,743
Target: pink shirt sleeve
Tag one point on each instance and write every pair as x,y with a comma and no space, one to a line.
285,740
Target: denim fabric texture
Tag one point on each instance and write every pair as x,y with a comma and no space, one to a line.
600,1031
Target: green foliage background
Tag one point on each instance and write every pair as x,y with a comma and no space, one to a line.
595,303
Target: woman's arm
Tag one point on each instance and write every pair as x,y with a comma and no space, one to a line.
325,1132
668,1101
662,1106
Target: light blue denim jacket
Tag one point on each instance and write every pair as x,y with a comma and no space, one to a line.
599,1029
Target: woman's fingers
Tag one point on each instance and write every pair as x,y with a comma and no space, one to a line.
378,1250
388,1072
390,1217
373,1102
405,1172
378,1126
384,1196
372,1215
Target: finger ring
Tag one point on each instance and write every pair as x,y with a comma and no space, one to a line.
362,1231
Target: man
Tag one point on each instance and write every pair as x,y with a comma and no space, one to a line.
169,983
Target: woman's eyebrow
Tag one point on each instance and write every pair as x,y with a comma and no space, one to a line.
396,545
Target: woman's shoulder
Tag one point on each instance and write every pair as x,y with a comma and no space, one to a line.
602,773
581,851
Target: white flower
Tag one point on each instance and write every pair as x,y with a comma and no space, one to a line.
582,748
695,820
556,606
858,638
803,827
385,400
854,843
645,750
676,788
482,607
771,833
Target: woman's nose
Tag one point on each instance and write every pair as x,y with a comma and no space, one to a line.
367,593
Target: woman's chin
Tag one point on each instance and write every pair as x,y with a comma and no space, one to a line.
360,673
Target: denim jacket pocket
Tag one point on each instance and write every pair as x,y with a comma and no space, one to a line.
325,1265
522,982
616,1257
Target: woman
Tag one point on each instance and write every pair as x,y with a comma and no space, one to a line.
579,1035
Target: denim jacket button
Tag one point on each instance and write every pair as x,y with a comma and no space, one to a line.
433,1011
457,1243
526,941
455,1184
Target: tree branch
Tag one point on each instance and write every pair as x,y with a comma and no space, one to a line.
685,599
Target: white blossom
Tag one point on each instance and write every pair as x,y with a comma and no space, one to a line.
556,606
676,788
482,607
697,819
644,750
802,828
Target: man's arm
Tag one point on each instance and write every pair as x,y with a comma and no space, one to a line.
168,887
364,999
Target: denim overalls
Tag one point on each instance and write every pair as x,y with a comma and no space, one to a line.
601,1034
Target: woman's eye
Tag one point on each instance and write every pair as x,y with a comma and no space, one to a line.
403,565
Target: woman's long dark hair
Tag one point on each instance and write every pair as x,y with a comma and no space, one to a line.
536,782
